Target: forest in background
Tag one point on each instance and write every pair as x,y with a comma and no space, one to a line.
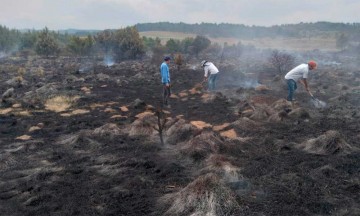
127,43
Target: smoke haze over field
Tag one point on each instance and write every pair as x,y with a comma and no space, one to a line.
102,14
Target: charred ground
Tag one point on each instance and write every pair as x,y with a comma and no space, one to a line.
240,151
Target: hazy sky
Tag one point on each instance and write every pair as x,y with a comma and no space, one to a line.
102,14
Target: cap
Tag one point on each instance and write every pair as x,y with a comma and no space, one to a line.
203,63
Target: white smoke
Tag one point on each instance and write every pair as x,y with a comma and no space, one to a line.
249,83
108,61
3,55
193,67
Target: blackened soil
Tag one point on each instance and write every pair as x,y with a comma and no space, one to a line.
64,171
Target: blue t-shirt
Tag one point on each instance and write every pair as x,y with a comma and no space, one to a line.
165,74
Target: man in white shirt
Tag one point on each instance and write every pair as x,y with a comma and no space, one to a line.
211,73
299,73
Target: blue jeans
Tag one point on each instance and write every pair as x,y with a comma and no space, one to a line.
292,87
212,82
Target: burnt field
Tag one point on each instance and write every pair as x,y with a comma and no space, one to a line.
81,138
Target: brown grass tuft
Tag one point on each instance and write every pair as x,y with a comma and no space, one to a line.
299,113
179,132
247,124
281,105
144,125
110,130
60,103
202,145
221,165
231,134
207,195
261,113
331,142
200,124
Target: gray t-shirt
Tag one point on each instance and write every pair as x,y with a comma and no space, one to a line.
301,71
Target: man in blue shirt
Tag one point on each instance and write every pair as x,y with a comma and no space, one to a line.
165,79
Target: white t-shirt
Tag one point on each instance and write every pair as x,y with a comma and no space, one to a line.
209,67
301,71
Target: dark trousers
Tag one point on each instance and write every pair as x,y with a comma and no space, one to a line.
291,87
166,93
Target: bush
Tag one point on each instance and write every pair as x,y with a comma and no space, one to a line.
8,38
200,43
104,40
173,46
151,43
81,46
158,53
128,43
282,62
46,44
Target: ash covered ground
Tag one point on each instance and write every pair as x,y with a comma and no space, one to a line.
80,138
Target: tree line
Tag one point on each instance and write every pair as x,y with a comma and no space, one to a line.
125,43
301,30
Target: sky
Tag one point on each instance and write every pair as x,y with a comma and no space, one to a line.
112,14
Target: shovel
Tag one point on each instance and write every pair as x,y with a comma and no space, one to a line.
317,103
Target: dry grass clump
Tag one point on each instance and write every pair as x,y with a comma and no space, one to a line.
207,98
144,125
23,137
71,139
201,124
180,132
284,109
221,165
60,103
75,112
196,89
331,142
81,141
278,117
221,127
247,124
206,195
16,81
261,113
7,160
202,145
47,91
40,71
108,130
231,134
6,111
281,105
299,113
